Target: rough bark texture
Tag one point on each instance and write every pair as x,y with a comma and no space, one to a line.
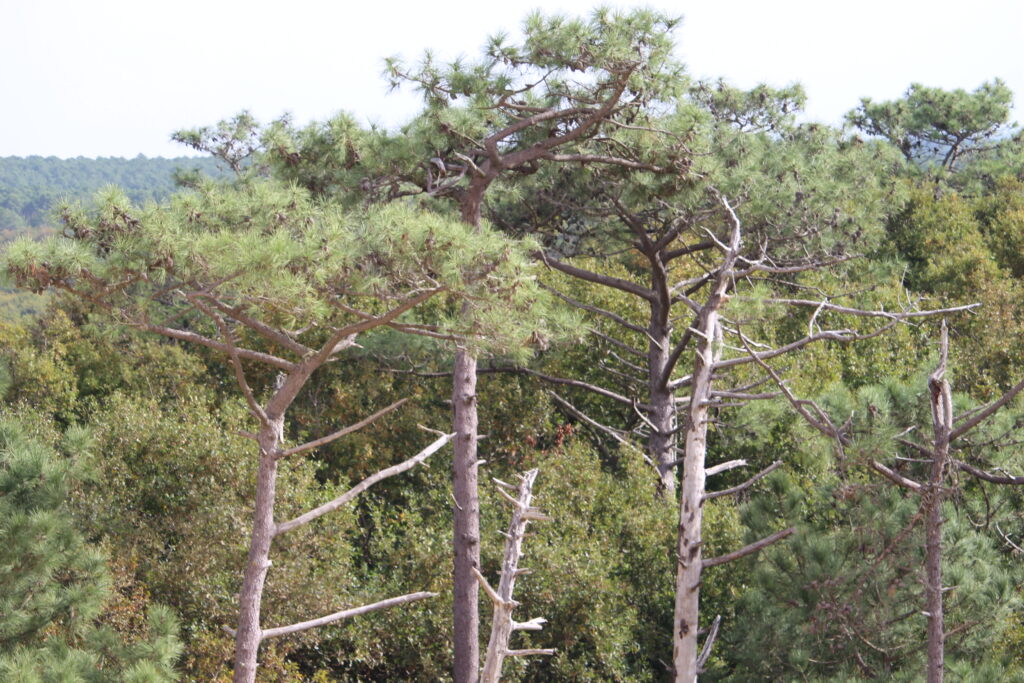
466,543
249,634
466,515
502,624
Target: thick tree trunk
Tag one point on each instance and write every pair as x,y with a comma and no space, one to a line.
249,633
466,544
466,525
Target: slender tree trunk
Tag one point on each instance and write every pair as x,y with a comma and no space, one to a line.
933,586
466,520
503,625
662,413
942,422
249,633
691,496
690,562
466,531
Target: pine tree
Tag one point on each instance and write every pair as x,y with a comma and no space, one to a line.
53,584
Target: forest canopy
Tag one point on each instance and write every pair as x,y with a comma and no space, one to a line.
751,384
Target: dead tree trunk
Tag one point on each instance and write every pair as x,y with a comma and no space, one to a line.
691,496
502,624
942,423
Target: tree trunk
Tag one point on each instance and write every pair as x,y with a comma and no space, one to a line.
466,524
249,633
690,562
933,585
942,422
662,413
503,625
466,543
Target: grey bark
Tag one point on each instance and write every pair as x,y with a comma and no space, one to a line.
942,423
502,624
691,496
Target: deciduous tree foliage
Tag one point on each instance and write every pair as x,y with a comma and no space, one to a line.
703,235
53,584
264,259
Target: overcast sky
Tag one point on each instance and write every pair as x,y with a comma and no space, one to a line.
116,77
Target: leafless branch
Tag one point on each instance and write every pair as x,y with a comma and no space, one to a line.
192,337
986,412
342,432
709,642
749,549
344,614
594,309
710,495
722,467
346,497
894,476
225,332
987,476
599,278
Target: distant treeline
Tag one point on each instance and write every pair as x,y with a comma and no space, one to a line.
31,186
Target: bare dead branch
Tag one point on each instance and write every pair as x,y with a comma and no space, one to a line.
594,309
711,495
601,391
580,415
599,278
342,432
987,476
986,412
894,477
258,326
750,549
236,363
346,497
344,614
192,337
834,335
722,467
615,342
862,312
709,642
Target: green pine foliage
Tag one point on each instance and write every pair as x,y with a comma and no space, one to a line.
53,585
317,221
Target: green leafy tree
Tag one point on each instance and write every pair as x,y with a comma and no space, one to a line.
53,584
939,128
550,99
244,267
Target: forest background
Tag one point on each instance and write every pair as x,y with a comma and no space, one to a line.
145,573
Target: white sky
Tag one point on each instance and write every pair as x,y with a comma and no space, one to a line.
116,77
